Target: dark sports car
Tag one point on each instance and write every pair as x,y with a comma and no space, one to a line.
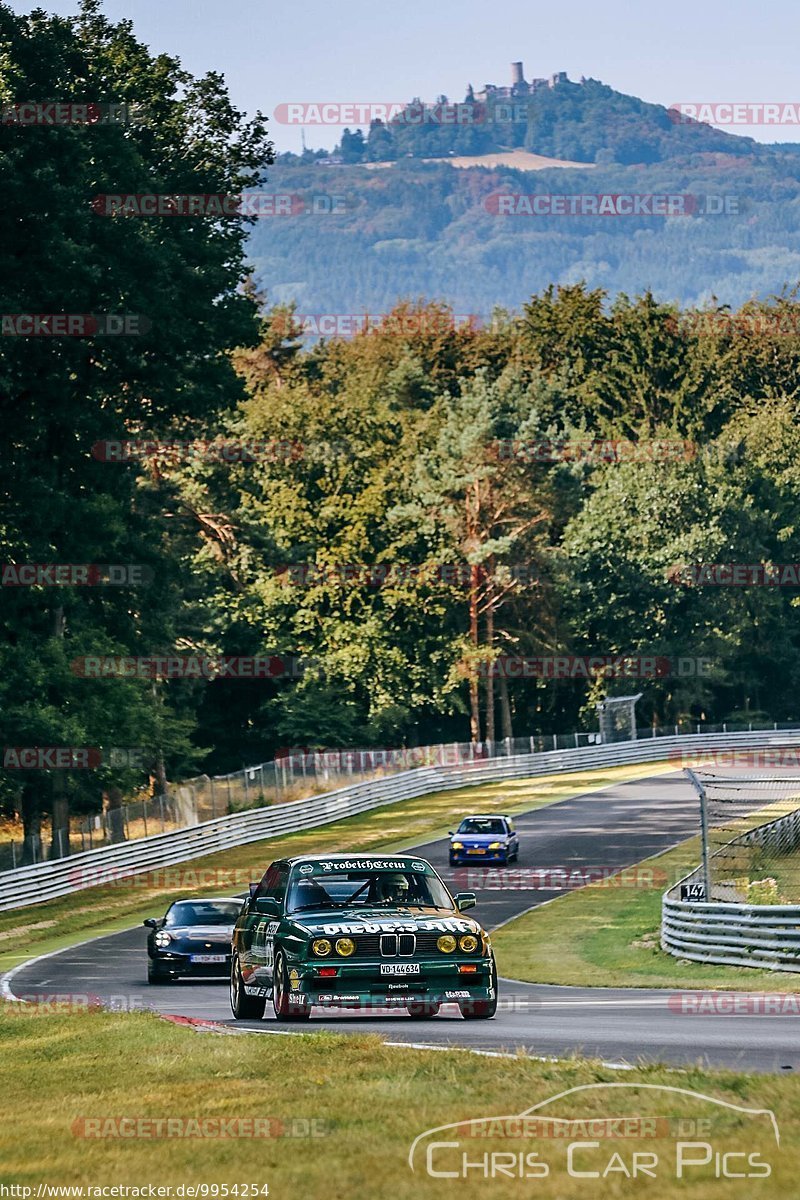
359,932
193,938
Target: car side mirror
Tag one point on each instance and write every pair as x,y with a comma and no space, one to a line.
151,923
449,833
268,905
465,900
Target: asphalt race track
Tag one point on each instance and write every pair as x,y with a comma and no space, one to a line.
608,829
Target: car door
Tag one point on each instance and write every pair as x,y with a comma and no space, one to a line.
274,885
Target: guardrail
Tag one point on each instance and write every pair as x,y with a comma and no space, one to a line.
728,933
45,881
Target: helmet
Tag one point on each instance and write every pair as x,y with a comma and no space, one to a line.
393,886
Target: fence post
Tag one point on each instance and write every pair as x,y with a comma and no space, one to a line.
701,791
144,816
13,857
161,805
246,790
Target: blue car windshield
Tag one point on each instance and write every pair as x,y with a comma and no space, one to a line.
483,825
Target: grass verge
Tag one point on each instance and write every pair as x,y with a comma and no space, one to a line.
608,935
366,1102
41,928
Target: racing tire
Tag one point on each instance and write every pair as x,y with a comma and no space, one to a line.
286,1007
481,1010
244,1007
423,1009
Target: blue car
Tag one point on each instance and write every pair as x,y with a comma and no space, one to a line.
485,839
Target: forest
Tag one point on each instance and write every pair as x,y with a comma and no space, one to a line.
394,516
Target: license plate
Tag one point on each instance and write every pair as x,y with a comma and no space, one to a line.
476,852
208,958
399,968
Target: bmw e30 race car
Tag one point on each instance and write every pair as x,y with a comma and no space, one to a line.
359,931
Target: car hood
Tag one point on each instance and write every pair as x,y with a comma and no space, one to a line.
384,920
479,839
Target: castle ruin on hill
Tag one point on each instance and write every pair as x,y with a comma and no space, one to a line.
519,87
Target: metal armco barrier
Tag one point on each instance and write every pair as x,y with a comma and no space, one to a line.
731,934
46,881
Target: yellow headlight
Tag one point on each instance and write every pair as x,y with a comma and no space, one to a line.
447,943
457,845
322,947
495,845
345,947
468,943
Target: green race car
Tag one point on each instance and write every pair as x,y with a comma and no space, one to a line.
359,932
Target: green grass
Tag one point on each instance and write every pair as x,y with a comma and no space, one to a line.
368,1102
40,928
608,936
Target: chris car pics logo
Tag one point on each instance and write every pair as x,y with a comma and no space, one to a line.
606,1132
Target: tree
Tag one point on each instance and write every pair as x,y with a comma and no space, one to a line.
63,396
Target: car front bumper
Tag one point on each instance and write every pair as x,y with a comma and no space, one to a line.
461,858
361,985
180,965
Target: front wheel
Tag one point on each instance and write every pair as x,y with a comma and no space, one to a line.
288,1006
244,1007
481,1010
155,977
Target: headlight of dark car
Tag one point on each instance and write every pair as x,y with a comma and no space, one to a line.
162,939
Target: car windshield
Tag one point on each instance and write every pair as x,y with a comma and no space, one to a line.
203,912
482,825
367,889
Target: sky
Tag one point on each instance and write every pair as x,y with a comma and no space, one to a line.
373,51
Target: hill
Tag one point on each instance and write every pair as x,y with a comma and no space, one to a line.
412,210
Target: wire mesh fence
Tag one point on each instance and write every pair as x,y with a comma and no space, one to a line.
750,827
294,776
